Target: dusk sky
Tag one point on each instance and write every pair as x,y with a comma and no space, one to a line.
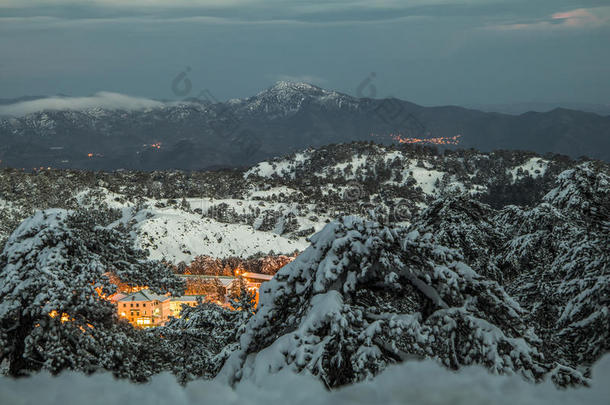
430,52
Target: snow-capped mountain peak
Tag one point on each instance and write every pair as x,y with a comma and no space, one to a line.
285,97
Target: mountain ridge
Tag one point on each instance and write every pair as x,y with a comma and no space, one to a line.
281,119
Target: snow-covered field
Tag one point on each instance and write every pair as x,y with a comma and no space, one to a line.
411,383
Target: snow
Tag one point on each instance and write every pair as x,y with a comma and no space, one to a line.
536,167
414,382
273,192
354,168
178,236
259,209
425,178
94,197
280,168
356,163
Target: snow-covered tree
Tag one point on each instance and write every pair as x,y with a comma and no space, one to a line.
364,296
560,254
53,314
199,341
241,297
459,222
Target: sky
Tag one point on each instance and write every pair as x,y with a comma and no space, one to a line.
432,52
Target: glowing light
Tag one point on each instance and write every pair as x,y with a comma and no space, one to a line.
450,140
64,317
89,154
142,321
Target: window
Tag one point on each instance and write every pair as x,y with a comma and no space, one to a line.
131,305
137,305
124,305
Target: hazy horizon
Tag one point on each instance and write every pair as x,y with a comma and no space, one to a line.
109,100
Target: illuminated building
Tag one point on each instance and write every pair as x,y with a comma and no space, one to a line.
144,308
176,303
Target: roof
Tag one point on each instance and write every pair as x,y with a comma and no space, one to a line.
257,276
226,281
204,276
188,298
116,297
143,295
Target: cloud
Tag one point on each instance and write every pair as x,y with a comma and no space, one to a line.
573,19
248,11
577,18
105,100
123,3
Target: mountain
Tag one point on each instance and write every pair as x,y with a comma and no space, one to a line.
199,134
521,108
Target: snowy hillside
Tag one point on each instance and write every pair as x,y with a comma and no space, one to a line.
176,233
179,236
276,205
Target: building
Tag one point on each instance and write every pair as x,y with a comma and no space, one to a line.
144,308
176,303
199,284
255,279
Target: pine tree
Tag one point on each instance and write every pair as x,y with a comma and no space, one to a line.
559,253
467,225
364,296
203,337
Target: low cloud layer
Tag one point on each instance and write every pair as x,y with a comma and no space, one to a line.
103,99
